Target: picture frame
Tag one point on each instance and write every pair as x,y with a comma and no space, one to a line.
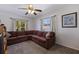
69,20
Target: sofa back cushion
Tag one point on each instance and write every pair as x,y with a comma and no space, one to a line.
13,34
40,33
16,33
35,32
29,32
21,33
26,32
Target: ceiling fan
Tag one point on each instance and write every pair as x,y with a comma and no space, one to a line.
31,10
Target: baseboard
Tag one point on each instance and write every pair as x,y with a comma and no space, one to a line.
67,46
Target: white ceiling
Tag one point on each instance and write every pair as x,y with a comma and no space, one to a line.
13,8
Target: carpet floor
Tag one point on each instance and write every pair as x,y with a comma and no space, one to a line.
30,47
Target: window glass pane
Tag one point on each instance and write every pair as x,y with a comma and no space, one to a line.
46,24
46,21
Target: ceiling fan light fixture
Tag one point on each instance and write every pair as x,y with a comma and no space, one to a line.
29,11
32,11
30,5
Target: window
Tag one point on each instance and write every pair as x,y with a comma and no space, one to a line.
21,25
46,24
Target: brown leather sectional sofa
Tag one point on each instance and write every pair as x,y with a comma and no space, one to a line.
44,39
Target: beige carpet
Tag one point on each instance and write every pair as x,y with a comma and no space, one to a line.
30,47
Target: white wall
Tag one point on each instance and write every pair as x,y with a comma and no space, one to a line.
32,24
68,37
37,24
5,18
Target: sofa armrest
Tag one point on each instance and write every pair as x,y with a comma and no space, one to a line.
50,35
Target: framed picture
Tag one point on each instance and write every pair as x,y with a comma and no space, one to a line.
69,20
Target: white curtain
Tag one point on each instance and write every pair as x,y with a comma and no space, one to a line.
54,25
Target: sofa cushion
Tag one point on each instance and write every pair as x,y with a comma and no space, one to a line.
20,33
12,38
28,32
22,36
39,33
13,34
35,32
39,38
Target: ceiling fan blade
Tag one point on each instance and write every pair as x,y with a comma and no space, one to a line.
38,10
35,13
23,8
26,13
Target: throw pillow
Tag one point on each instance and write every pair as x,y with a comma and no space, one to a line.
8,34
47,35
